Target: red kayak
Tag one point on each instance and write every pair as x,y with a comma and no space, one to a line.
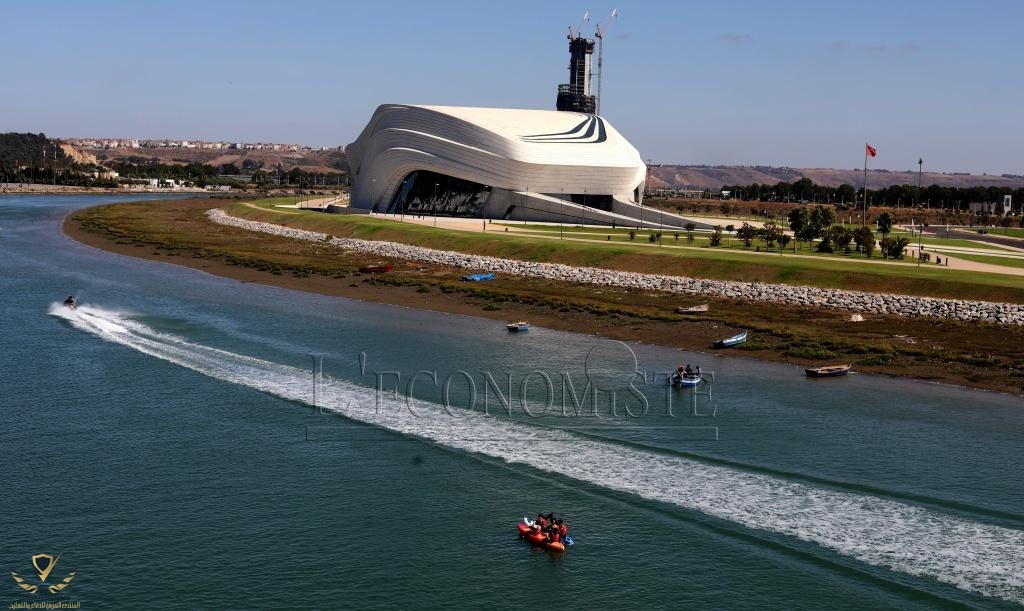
537,538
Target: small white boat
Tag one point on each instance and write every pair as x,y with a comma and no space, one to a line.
686,377
518,327
697,309
729,342
832,371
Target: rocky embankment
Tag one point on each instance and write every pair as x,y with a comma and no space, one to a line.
854,301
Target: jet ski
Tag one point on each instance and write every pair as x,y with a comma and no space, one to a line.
70,302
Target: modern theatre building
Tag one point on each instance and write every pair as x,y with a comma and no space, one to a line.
500,163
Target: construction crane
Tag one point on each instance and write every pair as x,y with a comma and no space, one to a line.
599,35
579,28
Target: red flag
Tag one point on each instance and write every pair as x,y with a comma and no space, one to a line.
870,150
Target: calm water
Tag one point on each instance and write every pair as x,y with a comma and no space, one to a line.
163,439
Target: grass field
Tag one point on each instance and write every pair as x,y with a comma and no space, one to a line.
737,263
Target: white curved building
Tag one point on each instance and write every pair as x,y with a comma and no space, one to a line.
498,163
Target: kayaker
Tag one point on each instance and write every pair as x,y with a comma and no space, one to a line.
563,530
541,520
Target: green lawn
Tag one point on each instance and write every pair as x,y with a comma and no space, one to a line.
940,242
719,263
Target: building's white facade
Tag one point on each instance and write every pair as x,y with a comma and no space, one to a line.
539,165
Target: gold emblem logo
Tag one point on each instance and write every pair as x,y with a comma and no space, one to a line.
43,564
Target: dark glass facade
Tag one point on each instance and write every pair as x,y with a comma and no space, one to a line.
434,194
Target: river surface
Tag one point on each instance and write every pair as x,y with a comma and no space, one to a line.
189,441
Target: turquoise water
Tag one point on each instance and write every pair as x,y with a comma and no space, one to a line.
163,439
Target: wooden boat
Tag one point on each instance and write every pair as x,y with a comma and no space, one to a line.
831,371
376,269
697,309
518,327
729,342
478,277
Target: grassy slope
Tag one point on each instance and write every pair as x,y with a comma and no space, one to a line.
724,264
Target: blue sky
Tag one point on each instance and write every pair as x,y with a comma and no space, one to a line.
789,82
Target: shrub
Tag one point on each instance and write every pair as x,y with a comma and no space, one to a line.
811,351
716,238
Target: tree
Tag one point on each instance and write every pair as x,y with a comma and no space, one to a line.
821,218
747,234
841,237
799,221
770,233
864,239
892,248
689,232
716,237
885,223
784,240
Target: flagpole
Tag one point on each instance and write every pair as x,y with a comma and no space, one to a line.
864,213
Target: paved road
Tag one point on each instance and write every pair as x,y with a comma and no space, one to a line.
984,237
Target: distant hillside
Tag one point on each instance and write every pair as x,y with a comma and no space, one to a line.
713,177
244,159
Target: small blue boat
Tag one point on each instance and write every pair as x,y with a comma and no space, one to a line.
518,327
729,342
478,277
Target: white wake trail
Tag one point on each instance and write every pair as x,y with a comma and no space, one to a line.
971,555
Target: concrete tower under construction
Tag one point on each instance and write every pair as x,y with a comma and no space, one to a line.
575,95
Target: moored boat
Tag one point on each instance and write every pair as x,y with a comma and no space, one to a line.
832,371
518,327
697,309
478,277
376,269
729,342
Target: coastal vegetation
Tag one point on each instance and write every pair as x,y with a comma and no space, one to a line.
975,354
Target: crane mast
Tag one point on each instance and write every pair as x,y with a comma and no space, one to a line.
599,35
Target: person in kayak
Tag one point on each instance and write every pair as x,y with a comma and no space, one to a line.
563,530
541,520
553,536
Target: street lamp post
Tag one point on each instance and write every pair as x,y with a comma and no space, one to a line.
920,166
526,199
561,214
584,222
920,238
404,195
436,185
